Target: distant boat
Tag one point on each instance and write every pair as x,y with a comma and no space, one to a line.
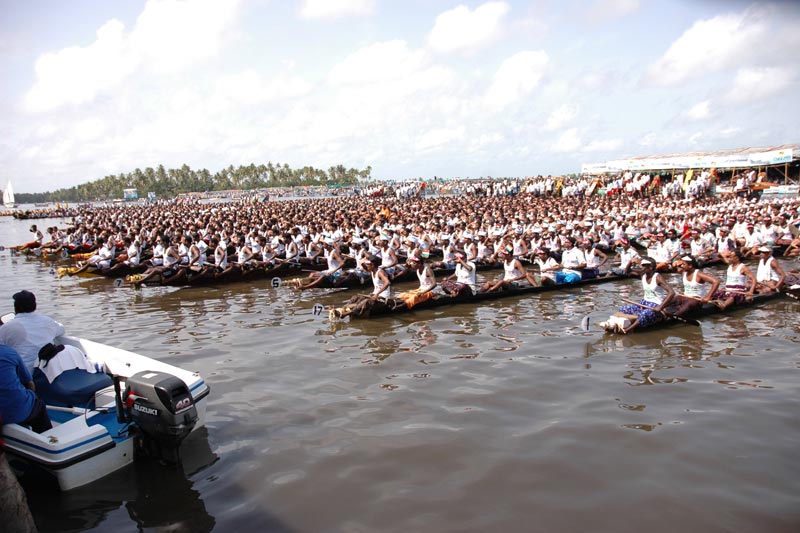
8,196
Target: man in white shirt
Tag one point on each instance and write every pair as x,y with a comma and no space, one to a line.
29,331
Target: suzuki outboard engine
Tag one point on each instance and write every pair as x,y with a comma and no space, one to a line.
161,406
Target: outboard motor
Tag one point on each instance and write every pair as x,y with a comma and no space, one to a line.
162,408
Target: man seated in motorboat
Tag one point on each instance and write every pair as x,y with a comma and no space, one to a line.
29,330
19,404
65,376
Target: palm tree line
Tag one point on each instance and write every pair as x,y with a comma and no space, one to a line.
166,183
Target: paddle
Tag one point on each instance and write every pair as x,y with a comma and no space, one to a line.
689,321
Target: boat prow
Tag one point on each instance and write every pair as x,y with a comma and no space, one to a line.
618,323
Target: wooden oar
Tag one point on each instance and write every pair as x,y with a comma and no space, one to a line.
690,321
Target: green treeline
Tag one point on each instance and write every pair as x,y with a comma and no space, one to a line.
167,183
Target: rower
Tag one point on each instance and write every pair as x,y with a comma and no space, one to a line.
698,287
335,265
101,260
427,281
700,246
736,289
448,256
573,261
382,285
133,256
628,257
35,243
512,275
595,258
657,295
548,266
388,255
465,278
359,304
769,275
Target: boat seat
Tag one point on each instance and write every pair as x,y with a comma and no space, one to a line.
72,388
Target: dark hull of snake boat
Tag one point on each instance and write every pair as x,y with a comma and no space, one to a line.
395,306
708,310
95,272
233,276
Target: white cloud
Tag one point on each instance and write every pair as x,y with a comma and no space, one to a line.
437,138
516,78
730,131
561,116
605,145
463,30
168,35
385,61
708,46
174,34
332,9
568,142
649,139
757,83
606,10
699,111
75,75
249,88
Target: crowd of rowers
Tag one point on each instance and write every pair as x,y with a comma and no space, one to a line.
567,238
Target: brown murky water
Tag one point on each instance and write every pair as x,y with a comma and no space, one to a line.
505,417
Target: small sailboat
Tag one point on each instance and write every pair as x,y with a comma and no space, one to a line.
8,196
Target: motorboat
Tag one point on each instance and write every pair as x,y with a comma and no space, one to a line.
131,406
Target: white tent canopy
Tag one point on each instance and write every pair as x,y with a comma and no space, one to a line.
738,158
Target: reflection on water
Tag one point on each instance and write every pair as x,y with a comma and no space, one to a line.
155,496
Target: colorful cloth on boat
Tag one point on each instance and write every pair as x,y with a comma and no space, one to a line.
737,292
414,297
454,288
563,276
646,317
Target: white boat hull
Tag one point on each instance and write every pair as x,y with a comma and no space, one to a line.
87,444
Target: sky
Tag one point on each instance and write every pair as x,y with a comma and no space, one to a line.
412,88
